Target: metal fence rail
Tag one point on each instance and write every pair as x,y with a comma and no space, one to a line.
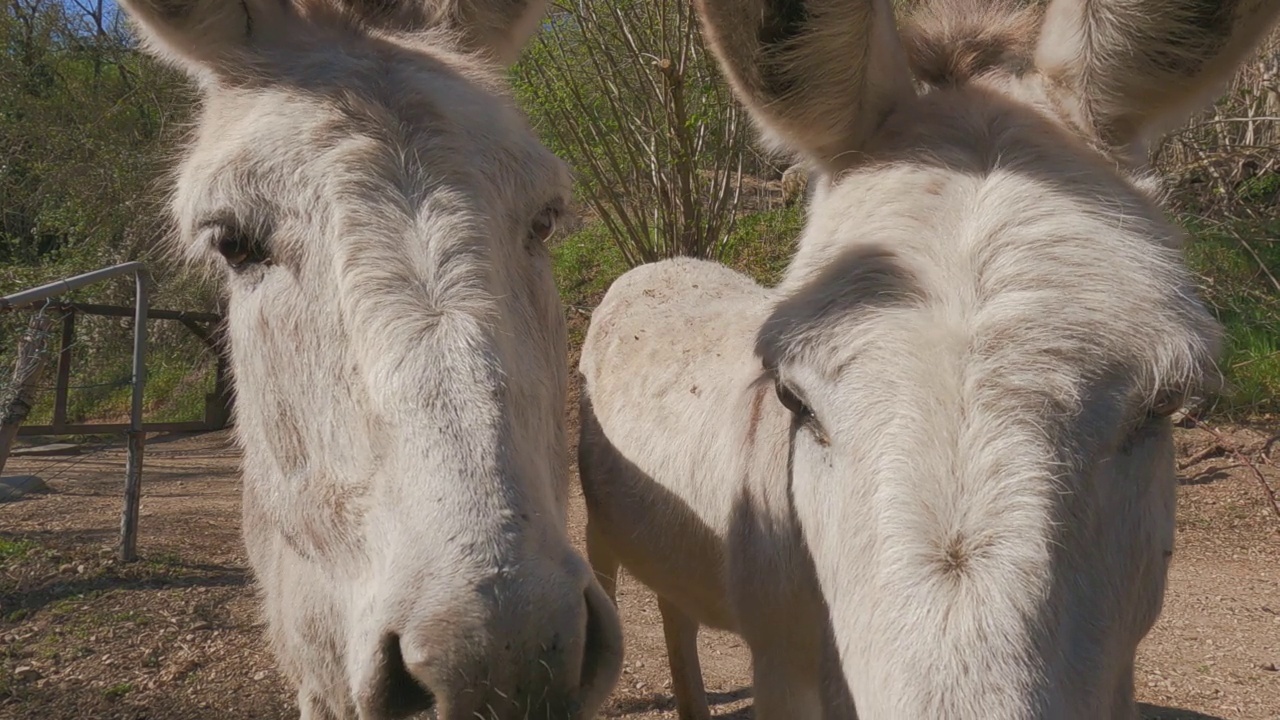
43,298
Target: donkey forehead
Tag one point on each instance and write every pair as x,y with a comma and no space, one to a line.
1026,272
396,108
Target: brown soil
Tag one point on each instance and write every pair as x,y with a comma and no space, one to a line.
176,635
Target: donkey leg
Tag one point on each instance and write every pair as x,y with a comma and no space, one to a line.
313,706
681,633
604,563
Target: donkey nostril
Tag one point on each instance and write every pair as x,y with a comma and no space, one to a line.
400,695
602,652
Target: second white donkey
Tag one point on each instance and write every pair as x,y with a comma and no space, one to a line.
935,465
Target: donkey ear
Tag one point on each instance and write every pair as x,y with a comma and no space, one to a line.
499,28
1128,70
817,75
201,36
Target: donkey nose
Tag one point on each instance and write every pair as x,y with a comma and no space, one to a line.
556,653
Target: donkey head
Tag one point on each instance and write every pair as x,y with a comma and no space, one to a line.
379,210
984,332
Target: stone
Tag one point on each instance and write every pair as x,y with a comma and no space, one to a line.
17,486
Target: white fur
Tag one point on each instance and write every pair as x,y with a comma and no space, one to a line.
399,361
989,320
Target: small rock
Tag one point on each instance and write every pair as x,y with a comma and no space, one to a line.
260,675
26,673
80,569
1270,667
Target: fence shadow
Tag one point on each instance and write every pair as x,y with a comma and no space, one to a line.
35,581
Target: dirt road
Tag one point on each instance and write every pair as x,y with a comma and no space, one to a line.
176,635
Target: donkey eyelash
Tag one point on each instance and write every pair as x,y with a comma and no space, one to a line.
801,411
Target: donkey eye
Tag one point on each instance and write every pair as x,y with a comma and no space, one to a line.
800,411
237,247
1166,403
544,223
791,401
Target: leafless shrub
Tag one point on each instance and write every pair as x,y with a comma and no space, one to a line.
1228,157
626,92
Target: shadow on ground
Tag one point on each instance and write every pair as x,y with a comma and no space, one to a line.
665,701
1156,712
59,568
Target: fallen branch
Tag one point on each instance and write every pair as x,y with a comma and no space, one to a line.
1234,449
1213,451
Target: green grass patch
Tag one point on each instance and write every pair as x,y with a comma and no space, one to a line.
164,562
763,243
118,690
14,549
68,606
585,264
176,389
1238,289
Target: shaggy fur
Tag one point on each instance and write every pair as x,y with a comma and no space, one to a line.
379,209
938,455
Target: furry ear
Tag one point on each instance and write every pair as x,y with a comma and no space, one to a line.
499,28
204,36
1128,70
818,76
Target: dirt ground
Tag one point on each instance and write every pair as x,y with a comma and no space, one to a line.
176,635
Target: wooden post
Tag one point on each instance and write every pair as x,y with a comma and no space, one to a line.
136,435
64,369
218,404
32,354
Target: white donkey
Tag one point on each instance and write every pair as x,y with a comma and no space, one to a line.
380,207
943,441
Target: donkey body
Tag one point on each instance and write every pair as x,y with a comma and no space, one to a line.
379,208
675,496
942,442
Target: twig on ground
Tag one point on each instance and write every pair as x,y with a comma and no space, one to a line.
1209,474
1213,451
1234,449
1266,448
